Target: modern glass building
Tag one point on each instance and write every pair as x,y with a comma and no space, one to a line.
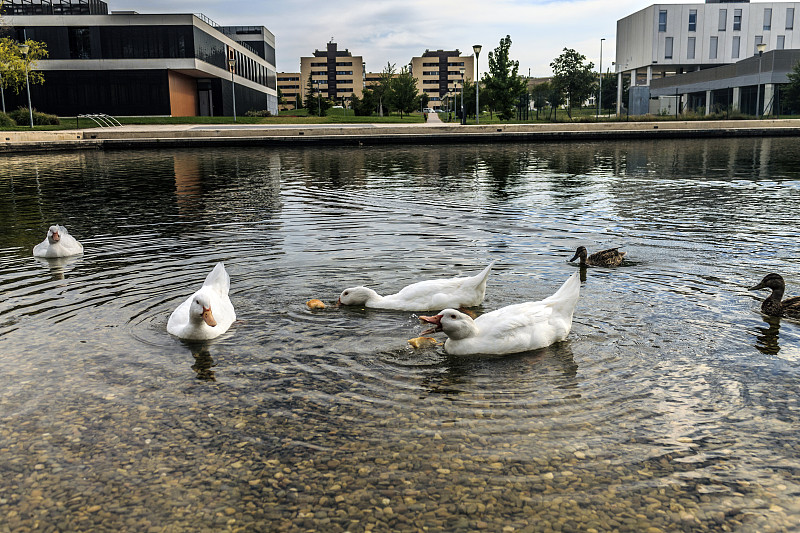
126,63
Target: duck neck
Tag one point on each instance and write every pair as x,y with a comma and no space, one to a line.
772,305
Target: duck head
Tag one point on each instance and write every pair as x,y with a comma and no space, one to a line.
356,296
771,281
580,252
53,235
454,324
200,309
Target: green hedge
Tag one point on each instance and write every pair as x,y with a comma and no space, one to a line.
22,117
6,121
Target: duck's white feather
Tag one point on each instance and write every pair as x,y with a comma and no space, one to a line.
187,321
515,328
58,243
425,295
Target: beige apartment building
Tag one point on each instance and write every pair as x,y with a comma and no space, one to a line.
291,88
340,76
441,73
337,74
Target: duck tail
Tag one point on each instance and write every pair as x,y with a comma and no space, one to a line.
219,278
482,277
566,297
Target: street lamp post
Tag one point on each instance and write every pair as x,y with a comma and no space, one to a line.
463,117
232,66
24,49
477,49
760,47
2,92
600,90
319,99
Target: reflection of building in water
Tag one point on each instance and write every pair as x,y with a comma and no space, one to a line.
188,181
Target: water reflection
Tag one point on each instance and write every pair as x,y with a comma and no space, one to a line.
58,265
203,364
767,337
655,400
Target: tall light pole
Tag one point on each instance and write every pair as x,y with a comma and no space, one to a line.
232,66
463,117
319,99
760,47
477,49
2,91
24,49
600,90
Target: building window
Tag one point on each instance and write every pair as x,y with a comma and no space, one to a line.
662,20
723,19
735,47
712,48
789,18
692,20
737,20
690,48
767,19
80,44
668,48
758,40
781,42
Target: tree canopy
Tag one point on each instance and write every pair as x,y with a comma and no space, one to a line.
790,93
13,64
503,85
405,97
315,103
572,77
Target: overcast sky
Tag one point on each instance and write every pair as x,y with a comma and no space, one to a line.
395,30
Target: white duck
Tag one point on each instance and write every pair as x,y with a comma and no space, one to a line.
424,295
59,243
516,328
206,314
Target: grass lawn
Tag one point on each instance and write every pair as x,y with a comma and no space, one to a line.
299,117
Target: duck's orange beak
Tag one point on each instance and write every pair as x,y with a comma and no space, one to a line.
208,317
435,320
56,236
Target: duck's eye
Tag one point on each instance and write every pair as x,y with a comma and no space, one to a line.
453,317
346,293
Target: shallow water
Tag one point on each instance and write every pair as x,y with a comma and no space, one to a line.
673,403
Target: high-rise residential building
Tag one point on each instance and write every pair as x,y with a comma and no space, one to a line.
291,88
441,73
337,74
126,63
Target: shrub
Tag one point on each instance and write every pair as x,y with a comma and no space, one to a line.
22,117
6,121
259,113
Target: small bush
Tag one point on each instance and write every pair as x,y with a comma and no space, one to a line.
22,117
6,121
260,113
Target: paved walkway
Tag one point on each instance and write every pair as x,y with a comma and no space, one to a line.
432,131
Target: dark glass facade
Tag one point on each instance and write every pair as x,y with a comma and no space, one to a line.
114,92
144,91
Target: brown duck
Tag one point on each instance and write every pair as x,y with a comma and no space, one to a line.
606,258
773,305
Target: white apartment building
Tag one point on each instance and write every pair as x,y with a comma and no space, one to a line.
667,39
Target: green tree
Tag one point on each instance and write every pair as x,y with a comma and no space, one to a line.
790,93
539,94
503,85
609,100
367,104
405,96
315,103
573,77
383,90
13,64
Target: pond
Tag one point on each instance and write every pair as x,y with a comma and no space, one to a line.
672,405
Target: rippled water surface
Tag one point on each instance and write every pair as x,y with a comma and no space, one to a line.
673,404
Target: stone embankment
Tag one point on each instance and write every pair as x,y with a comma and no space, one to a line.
189,135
